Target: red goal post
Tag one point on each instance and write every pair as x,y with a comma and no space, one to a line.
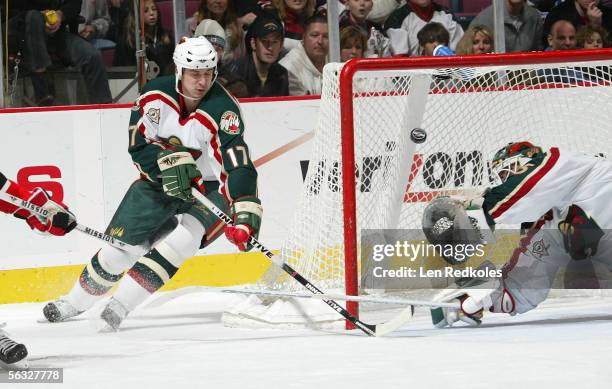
348,94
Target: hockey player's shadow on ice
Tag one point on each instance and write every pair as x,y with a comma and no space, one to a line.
550,321
200,319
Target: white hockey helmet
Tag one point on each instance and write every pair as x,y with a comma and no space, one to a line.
194,53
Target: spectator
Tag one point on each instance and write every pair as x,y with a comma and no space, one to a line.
215,34
225,13
403,24
476,40
305,62
40,34
293,15
118,11
580,13
522,25
96,24
159,43
382,9
562,36
353,43
433,40
356,14
260,69
591,37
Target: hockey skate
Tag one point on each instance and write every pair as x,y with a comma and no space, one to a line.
113,314
12,354
60,310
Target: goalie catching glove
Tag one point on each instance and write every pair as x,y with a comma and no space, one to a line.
246,213
59,220
178,172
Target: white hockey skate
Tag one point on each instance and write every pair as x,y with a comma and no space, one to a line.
113,314
60,310
12,354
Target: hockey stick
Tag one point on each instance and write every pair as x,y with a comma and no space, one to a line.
369,329
16,201
172,295
342,297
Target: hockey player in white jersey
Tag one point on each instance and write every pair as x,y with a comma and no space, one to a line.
567,198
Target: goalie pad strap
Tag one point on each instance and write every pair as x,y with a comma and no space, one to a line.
175,159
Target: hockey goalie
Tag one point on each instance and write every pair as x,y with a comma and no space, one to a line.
566,199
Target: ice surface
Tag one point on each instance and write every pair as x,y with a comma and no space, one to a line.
562,344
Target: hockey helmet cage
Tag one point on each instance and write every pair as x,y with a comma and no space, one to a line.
512,159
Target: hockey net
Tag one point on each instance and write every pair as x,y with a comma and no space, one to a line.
469,106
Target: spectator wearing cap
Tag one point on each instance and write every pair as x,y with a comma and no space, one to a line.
212,30
305,62
260,69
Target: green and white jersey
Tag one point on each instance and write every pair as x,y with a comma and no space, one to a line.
554,180
213,134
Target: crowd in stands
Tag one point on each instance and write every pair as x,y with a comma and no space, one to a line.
279,47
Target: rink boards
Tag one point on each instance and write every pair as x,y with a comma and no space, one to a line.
80,155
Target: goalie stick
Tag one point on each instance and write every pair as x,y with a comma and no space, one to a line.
369,329
169,296
16,201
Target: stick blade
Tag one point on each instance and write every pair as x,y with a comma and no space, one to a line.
390,326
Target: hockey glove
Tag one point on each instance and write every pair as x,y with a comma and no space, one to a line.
178,172
59,221
246,213
473,302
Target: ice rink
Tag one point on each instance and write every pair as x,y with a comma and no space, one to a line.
564,343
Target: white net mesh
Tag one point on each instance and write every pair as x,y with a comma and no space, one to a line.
468,114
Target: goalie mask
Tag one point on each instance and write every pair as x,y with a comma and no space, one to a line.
512,160
447,225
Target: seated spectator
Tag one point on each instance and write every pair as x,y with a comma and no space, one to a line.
260,68
579,13
433,40
356,14
96,24
476,40
305,62
39,30
562,37
293,15
225,13
382,9
522,25
159,43
591,37
403,24
353,43
215,34
118,11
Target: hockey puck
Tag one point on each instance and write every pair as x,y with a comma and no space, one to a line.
418,135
